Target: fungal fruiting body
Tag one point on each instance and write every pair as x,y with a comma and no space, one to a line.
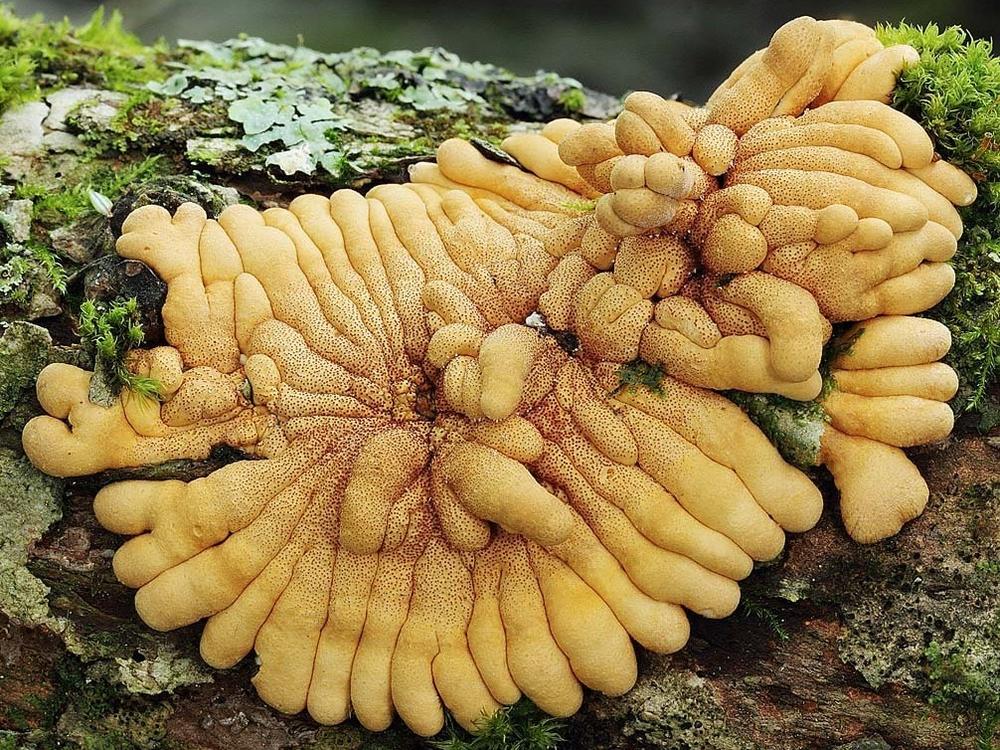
446,508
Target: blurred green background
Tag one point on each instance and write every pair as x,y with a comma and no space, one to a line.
666,46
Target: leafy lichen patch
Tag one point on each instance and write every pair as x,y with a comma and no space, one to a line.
300,112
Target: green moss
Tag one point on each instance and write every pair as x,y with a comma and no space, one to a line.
574,100
17,80
988,570
37,56
959,683
111,331
128,127
24,267
640,374
49,264
756,608
954,92
518,727
57,207
93,700
147,121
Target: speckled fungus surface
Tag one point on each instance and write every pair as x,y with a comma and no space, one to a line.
445,507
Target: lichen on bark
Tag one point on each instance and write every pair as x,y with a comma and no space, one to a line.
29,504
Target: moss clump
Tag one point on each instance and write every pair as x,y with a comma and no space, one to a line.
518,727
111,331
147,121
37,57
24,267
960,683
756,608
55,207
954,92
574,100
640,374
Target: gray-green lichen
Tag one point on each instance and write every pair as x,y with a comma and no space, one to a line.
865,743
29,504
137,660
25,349
676,710
670,708
167,670
932,622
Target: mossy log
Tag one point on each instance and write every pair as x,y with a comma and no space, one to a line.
896,645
